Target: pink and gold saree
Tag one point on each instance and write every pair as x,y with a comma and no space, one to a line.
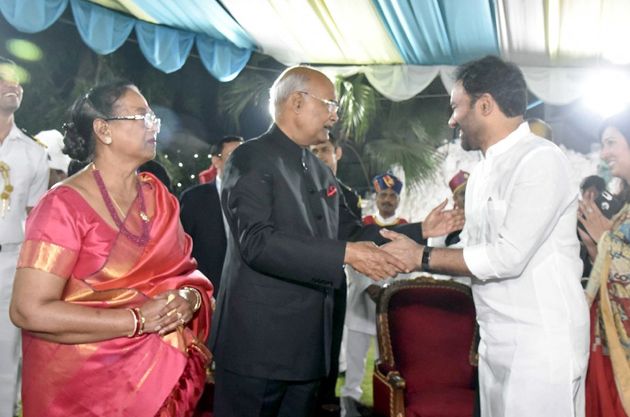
144,376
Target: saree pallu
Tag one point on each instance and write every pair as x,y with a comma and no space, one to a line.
608,377
143,376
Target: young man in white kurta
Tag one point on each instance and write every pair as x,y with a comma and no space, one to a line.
520,244
27,171
520,247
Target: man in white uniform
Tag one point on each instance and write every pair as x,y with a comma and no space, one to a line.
23,180
520,247
360,323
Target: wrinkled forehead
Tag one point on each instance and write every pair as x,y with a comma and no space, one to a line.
387,192
321,85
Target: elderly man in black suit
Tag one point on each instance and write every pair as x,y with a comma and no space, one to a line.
272,327
202,217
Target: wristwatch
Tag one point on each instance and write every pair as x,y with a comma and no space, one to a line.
426,257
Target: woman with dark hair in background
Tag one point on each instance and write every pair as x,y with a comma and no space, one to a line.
608,289
113,311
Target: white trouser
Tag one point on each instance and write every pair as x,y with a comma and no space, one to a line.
342,351
10,351
357,346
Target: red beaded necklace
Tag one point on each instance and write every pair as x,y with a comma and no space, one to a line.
141,240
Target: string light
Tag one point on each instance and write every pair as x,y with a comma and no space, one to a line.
180,164
196,156
179,185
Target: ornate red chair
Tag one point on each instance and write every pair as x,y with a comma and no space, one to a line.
426,333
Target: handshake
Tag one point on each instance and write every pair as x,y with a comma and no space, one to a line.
401,254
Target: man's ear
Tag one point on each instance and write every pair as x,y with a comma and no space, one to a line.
215,161
486,104
338,152
296,101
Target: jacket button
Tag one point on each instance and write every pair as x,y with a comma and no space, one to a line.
311,190
319,217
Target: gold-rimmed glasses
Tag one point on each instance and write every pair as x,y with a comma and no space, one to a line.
332,105
151,121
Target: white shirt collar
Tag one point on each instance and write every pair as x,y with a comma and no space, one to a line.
218,182
14,134
386,221
510,140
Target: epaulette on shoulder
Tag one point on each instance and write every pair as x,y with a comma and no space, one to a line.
34,139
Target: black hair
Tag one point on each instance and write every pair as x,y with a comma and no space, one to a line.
75,166
79,139
334,140
621,122
157,169
593,181
217,148
504,81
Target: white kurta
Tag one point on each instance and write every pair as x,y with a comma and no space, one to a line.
521,244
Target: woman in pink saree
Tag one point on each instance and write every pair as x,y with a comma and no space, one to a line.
113,311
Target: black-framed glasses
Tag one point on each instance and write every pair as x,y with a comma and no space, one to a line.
332,105
151,121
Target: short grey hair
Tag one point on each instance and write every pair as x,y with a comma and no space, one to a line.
287,83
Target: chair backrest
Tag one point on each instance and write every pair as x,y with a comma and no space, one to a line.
427,331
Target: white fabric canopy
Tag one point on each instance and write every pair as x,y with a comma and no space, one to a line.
557,86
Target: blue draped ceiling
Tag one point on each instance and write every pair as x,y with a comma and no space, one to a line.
535,33
224,49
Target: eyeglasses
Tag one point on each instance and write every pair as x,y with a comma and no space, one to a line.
151,121
332,105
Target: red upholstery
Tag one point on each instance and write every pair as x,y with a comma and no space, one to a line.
440,402
426,329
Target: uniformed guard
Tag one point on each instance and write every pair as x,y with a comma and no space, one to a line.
23,180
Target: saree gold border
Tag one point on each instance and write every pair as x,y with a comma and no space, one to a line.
124,254
621,369
47,257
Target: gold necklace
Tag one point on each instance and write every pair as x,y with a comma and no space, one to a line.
122,213
5,196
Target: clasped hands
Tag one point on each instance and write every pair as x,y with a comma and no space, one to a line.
594,223
168,311
401,254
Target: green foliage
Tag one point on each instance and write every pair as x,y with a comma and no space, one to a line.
404,142
358,105
250,88
387,134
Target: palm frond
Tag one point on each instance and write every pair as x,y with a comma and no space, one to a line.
250,88
357,107
404,143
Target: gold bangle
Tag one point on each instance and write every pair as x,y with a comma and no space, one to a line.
135,322
141,321
188,290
